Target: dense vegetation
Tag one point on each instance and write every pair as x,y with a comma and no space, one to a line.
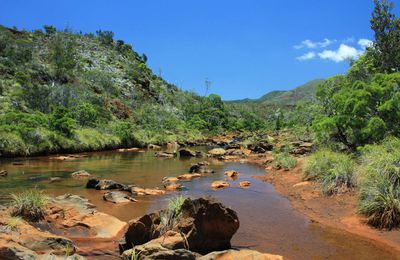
65,91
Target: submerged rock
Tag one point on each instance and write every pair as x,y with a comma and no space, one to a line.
165,154
80,174
3,173
105,184
117,197
219,185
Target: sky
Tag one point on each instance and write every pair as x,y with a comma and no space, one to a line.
244,48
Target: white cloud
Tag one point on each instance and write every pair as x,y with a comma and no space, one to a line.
307,56
314,45
365,43
343,53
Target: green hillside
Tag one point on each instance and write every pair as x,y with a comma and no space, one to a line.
304,92
66,91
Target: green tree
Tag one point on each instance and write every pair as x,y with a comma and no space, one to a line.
62,57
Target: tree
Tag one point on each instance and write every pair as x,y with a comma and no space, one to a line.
105,37
62,57
386,25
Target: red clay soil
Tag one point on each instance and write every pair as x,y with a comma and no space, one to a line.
339,211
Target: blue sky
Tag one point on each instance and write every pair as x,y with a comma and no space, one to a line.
245,48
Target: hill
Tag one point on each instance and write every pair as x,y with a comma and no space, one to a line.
62,91
304,92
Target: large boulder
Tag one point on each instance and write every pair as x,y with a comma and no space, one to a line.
105,184
207,225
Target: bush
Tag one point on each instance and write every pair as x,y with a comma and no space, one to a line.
29,205
379,194
284,161
335,171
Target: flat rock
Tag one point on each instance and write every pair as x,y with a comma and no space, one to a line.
219,185
142,191
117,197
189,176
133,149
173,187
165,154
239,254
217,152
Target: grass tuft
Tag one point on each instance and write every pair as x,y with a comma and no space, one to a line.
29,205
335,171
284,161
170,216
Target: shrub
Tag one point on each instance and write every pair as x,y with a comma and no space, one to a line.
284,161
29,205
335,171
62,121
379,194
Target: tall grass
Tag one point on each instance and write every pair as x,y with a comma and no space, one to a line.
379,193
284,161
335,171
29,205
170,216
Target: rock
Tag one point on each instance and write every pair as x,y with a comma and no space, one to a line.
55,179
239,254
232,174
302,184
15,251
301,148
165,154
172,146
217,152
17,163
80,174
233,146
153,147
117,197
200,167
207,224
244,184
238,152
189,176
187,153
219,185
105,185
157,251
173,186
142,192
141,231
133,149
3,173
200,154
167,180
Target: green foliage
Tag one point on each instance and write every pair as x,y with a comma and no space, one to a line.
358,112
49,29
386,25
62,120
379,194
62,56
282,160
335,171
29,205
13,223
105,37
